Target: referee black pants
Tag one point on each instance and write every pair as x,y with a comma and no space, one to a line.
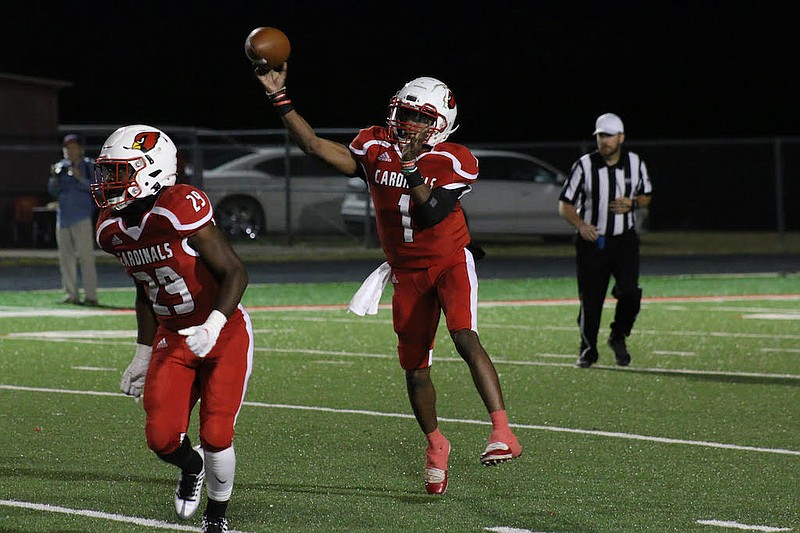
619,257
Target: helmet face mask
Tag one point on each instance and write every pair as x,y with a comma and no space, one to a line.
406,121
135,162
422,103
115,183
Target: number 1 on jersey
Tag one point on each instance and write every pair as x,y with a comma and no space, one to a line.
405,217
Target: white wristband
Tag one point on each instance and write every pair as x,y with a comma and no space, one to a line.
201,339
273,93
216,320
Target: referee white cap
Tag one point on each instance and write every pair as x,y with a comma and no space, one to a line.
608,123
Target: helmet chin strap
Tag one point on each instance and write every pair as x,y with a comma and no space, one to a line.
126,197
119,202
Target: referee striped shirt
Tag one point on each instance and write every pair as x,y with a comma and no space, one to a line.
592,185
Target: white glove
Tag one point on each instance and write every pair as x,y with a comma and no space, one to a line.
200,339
132,381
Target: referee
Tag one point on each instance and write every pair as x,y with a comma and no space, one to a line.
600,198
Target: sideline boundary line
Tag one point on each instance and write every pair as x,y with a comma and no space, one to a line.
33,311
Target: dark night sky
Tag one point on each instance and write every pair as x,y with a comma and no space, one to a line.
520,71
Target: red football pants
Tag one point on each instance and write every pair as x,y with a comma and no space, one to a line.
177,378
420,295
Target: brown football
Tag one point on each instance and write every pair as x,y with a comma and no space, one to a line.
267,48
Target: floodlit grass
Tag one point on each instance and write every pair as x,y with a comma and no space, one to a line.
703,426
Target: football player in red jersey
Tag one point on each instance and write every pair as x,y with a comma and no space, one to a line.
415,180
194,340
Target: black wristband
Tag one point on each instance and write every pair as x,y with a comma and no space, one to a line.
635,204
281,101
413,179
284,108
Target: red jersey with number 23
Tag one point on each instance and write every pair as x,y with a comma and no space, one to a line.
157,255
447,165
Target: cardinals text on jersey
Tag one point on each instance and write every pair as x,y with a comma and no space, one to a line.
446,165
156,254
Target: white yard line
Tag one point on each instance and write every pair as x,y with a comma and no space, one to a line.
77,334
752,309
674,333
504,529
772,316
554,355
526,327
74,337
737,525
780,350
501,361
147,522
364,412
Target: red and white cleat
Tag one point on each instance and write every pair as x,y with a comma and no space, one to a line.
499,452
435,480
435,477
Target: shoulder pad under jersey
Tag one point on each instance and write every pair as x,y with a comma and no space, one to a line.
188,208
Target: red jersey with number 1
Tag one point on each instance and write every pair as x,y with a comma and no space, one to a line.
157,255
447,165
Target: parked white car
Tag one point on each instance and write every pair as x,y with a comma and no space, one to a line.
515,194
252,196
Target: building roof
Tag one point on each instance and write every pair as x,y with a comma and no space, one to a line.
56,84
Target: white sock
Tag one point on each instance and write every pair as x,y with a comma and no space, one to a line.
220,469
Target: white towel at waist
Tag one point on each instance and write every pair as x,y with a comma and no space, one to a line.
366,298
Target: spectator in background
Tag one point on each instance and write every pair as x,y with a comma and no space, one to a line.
600,198
69,183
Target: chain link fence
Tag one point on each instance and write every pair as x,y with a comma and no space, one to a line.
267,189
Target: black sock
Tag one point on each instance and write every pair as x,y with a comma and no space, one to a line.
185,458
216,509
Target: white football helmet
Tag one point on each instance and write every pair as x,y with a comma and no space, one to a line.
135,162
422,102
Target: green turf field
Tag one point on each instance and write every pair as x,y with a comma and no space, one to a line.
701,433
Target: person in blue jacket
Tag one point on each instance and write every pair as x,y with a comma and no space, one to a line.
69,183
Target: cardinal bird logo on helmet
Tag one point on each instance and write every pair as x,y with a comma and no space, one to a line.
451,100
145,141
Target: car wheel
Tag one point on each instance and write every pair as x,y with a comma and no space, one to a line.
240,217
